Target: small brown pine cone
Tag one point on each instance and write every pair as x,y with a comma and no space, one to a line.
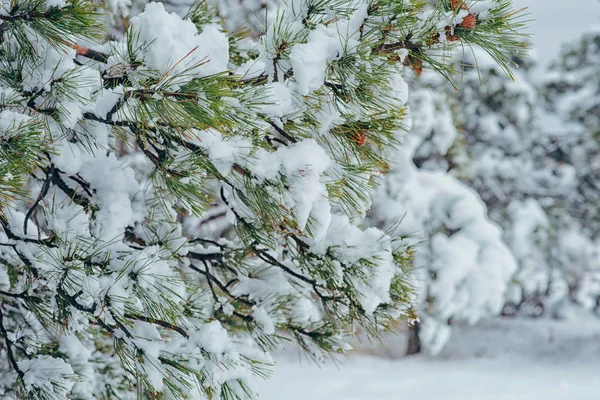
449,36
395,58
238,168
456,4
469,22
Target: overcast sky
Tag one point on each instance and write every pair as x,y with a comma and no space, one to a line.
558,21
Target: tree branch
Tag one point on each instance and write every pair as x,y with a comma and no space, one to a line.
158,322
91,54
9,352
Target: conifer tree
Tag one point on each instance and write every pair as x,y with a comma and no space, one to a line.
572,92
513,170
461,260
572,86
531,170
178,199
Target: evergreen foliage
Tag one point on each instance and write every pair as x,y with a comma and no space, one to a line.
178,199
571,89
572,86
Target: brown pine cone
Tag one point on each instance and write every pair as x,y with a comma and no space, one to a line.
456,4
469,22
449,36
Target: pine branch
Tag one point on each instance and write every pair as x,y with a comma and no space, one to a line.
8,343
158,322
282,132
91,54
22,295
71,193
221,286
51,242
43,193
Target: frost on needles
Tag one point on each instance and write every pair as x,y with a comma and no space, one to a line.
177,198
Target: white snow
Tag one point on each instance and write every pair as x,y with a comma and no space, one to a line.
352,244
497,360
369,378
465,264
50,374
174,45
10,121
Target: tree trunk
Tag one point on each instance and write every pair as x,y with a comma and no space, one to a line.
414,342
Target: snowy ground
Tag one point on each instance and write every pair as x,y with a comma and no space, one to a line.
368,378
500,360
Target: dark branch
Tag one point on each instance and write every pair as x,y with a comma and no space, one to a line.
91,54
282,132
158,322
73,195
9,352
10,234
43,193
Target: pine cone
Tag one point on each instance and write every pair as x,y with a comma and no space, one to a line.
449,36
456,4
469,22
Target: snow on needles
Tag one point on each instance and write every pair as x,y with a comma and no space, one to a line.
174,46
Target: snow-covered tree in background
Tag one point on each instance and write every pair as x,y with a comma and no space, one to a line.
178,199
461,259
572,92
514,169
572,85
537,175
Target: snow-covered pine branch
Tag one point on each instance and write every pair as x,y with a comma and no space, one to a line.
178,200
